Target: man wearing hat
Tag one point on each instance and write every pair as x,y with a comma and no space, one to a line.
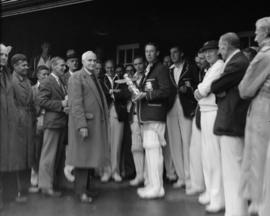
211,159
23,98
72,62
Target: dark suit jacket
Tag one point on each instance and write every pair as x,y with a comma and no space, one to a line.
232,110
120,98
49,98
155,106
188,102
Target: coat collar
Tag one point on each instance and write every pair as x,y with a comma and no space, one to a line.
88,77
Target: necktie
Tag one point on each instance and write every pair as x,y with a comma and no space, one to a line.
62,87
98,88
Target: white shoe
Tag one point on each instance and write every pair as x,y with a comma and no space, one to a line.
116,177
151,193
105,178
192,191
178,184
204,199
137,181
34,178
214,208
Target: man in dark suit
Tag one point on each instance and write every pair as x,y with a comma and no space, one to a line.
42,74
52,97
184,76
230,121
72,62
152,110
88,124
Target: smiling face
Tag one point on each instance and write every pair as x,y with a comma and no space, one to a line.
90,62
211,56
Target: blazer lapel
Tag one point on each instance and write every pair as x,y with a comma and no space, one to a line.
172,77
56,86
184,71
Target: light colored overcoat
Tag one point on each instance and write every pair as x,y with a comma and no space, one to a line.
88,109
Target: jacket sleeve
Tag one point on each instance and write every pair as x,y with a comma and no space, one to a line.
75,96
256,74
164,86
231,77
45,101
205,86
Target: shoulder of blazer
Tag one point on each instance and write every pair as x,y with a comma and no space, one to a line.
239,58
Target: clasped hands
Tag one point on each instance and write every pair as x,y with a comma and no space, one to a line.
197,95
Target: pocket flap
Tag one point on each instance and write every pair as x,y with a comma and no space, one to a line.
89,116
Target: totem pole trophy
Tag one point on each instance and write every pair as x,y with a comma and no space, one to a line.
136,93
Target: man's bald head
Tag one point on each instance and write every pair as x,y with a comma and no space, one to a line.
89,60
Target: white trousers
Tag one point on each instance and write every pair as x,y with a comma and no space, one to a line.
168,163
117,132
265,206
196,170
211,158
231,155
137,147
179,134
153,140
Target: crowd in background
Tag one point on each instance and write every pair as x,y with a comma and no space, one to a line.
205,121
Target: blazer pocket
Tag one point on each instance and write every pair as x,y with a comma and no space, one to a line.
89,116
154,105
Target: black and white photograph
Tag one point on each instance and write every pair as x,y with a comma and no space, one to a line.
131,108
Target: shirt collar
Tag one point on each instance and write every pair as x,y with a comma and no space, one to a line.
231,55
56,77
88,72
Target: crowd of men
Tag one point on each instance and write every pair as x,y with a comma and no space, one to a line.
207,123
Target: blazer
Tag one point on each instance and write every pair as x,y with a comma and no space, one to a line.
189,74
232,110
120,99
49,98
154,106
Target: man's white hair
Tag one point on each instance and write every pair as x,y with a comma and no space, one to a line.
4,48
86,54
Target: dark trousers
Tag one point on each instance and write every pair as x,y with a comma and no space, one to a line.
38,147
82,179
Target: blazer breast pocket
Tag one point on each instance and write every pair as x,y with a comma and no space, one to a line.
150,84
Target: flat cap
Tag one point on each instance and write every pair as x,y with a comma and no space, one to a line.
17,57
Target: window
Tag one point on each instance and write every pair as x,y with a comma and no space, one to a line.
126,53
